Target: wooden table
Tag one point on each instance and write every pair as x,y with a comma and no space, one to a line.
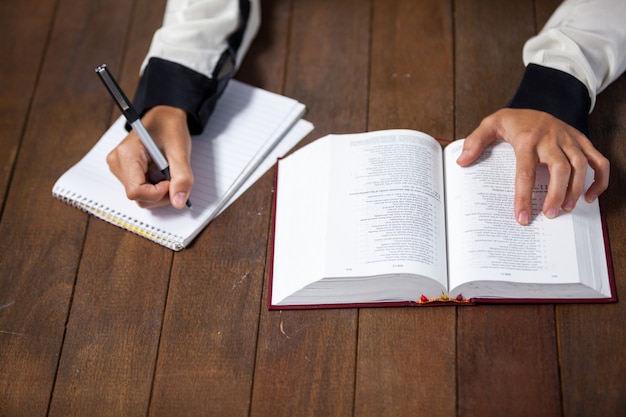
97,321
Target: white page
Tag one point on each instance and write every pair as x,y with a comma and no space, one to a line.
244,128
485,243
291,139
386,211
300,222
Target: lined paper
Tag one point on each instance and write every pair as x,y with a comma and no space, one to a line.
245,128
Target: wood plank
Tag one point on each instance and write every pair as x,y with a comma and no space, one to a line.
306,359
507,355
412,76
328,62
207,352
543,11
147,17
507,361
592,337
24,27
406,362
109,353
264,64
406,357
43,239
489,37
112,335
208,347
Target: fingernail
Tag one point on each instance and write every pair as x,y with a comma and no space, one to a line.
591,198
551,213
522,217
569,205
180,199
462,156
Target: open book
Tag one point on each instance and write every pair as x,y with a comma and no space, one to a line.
248,130
389,218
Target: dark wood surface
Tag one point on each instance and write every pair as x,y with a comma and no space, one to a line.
95,321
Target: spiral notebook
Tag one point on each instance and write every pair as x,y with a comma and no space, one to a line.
249,129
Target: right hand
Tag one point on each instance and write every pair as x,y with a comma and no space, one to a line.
131,164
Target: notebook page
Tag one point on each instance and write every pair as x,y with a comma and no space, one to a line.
244,128
291,139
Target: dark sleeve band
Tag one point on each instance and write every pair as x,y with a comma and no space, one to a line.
555,92
167,83
171,84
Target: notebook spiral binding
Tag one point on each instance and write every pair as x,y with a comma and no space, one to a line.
116,218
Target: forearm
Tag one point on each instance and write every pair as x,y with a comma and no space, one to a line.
586,39
554,92
194,55
581,50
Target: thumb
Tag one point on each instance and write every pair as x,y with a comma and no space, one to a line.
181,183
169,126
476,142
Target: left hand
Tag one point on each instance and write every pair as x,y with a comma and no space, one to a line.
540,138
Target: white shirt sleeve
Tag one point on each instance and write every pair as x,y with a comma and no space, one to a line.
195,32
585,38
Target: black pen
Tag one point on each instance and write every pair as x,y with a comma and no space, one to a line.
135,122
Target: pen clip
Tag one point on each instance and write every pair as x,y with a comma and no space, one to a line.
116,92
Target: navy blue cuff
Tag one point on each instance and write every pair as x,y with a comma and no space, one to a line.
555,92
168,83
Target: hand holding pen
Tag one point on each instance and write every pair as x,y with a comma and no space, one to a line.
131,161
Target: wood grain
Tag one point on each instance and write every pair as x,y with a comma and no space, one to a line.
42,240
97,321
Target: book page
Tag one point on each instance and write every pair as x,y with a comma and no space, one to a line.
386,211
485,243
300,219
